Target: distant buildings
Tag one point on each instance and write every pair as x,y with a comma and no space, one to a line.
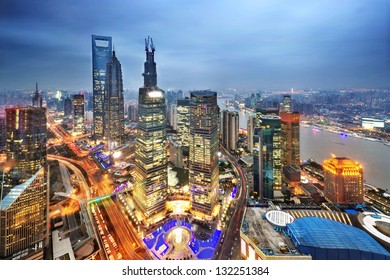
78,114
114,125
150,190
267,161
203,159
101,54
230,129
132,113
343,180
183,122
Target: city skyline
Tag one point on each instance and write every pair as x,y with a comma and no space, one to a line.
276,45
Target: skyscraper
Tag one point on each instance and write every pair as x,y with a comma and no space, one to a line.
26,139
290,138
150,192
267,157
23,218
23,197
37,98
252,123
114,126
286,103
183,121
132,113
67,107
78,114
343,180
230,129
101,53
173,116
203,159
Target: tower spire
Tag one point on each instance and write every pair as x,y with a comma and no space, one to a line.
150,73
36,87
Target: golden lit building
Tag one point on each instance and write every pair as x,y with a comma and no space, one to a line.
343,179
23,218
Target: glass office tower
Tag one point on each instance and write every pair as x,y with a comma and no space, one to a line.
203,158
114,125
150,192
101,54
267,150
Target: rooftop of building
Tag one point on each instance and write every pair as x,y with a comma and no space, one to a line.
342,162
269,117
328,234
263,234
203,93
16,191
377,225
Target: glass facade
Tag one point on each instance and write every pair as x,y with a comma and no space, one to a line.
23,217
290,136
267,162
203,159
26,139
101,53
150,192
114,106
183,121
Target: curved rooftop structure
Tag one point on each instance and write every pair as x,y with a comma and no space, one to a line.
377,225
327,239
279,218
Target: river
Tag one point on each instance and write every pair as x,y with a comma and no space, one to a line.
320,145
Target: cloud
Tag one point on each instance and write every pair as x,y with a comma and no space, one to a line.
200,44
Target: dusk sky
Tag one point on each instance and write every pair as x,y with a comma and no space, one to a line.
259,44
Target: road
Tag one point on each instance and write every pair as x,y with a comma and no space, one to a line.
231,244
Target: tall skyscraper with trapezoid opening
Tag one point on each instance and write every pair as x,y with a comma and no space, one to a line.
150,192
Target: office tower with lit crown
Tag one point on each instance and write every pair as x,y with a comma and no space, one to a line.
101,54
67,107
150,192
267,167
230,129
290,138
26,139
78,114
203,158
343,180
37,98
183,121
114,125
